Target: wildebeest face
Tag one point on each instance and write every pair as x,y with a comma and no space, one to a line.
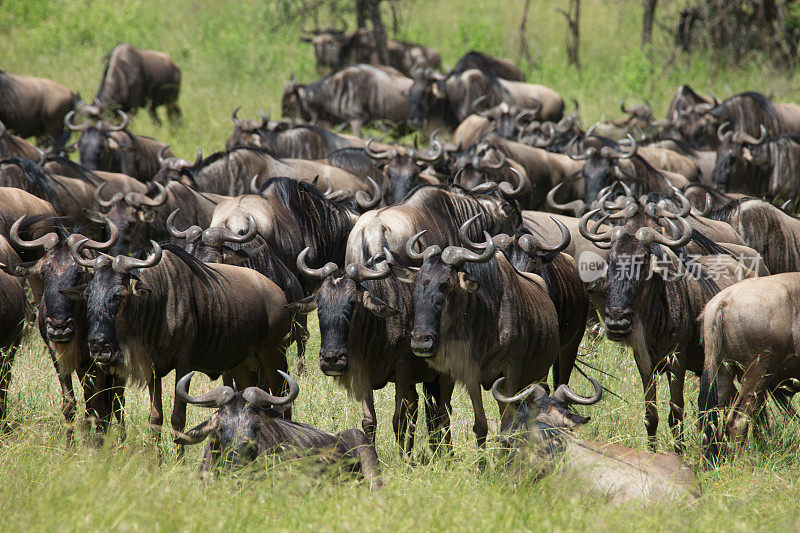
60,272
135,224
423,89
597,173
696,128
337,299
434,283
290,103
402,171
628,265
506,125
94,147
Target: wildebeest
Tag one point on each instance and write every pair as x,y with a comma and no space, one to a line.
62,322
170,311
448,99
35,107
477,318
337,49
13,146
540,437
12,313
767,167
655,291
357,95
750,328
105,146
134,78
403,168
365,318
502,68
248,424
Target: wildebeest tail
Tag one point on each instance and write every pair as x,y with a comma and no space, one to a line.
708,400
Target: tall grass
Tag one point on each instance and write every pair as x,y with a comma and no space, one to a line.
237,52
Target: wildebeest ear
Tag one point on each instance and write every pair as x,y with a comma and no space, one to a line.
76,293
468,283
22,270
138,289
94,216
147,215
306,305
377,306
404,274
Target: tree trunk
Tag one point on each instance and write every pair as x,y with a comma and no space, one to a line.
647,24
378,31
524,50
362,10
573,16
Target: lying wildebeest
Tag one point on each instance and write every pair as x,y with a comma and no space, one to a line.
767,167
109,147
35,107
170,311
540,437
365,320
13,146
448,99
502,68
477,318
337,49
655,291
750,327
221,245
134,78
248,424
62,323
356,94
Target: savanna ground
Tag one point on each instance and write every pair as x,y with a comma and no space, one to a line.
237,52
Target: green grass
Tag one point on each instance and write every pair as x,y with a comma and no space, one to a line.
230,55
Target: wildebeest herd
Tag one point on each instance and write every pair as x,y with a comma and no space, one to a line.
481,260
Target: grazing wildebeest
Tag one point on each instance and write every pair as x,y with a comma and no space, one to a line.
105,146
356,94
170,311
403,168
336,49
62,323
248,424
749,329
655,291
541,437
35,107
477,318
134,78
291,215
767,167
448,99
365,320
502,68
13,146
526,253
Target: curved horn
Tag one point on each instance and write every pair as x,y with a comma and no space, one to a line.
258,397
428,252
591,235
361,273
234,117
214,398
98,262
435,153
496,166
111,127
162,161
216,236
386,154
624,109
364,202
576,206
566,395
475,103
463,233
320,273
537,390
137,198
741,136
68,122
649,236
722,134
198,158
254,185
529,245
190,234
457,255
508,190
46,241
609,152
2,129
124,264
264,118
106,203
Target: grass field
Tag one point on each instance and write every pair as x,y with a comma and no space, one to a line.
231,53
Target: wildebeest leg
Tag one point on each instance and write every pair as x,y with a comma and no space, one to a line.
95,396
748,402
566,361
227,379
645,366
68,403
404,421
61,140
354,443
178,418
6,362
676,376
356,125
481,426
278,385
156,412
437,410
118,402
153,110
369,421
173,111
301,339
